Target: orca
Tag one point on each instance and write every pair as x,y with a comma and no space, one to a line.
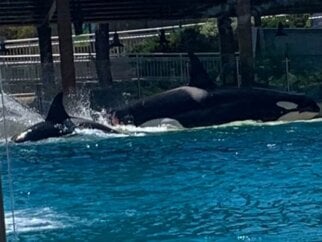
58,123
195,107
200,103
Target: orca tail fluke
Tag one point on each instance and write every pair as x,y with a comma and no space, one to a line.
198,75
57,112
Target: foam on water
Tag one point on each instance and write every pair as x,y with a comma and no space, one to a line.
98,133
30,220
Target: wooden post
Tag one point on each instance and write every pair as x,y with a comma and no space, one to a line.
227,51
66,46
257,20
46,90
102,48
46,55
243,11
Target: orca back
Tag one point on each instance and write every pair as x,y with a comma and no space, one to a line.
198,75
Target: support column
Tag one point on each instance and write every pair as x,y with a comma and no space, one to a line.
227,51
66,46
46,55
243,11
257,20
102,47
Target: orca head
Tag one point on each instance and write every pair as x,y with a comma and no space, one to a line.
57,113
298,108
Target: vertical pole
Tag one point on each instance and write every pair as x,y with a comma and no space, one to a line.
182,77
257,20
2,215
102,46
238,72
138,75
47,65
245,42
227,51
287,70
66,46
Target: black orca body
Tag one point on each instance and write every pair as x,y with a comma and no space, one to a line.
201,104
58,123
195,107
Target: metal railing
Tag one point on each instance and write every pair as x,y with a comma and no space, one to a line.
21,73
154,67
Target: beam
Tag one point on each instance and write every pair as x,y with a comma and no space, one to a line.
50,13
21,12
66,46
243,10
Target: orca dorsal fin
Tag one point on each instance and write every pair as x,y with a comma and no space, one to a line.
198,75
57,112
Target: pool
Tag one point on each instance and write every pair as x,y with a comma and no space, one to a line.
239,182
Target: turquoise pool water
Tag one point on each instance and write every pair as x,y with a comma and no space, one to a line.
233,183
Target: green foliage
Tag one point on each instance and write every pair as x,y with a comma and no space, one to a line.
18,32
304,73
147,46
202,38
209,29
288,21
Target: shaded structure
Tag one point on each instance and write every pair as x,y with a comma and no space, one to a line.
66,12
20,12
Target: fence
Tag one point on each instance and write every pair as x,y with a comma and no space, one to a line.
292,73
25,70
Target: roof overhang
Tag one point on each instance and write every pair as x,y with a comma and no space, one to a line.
36,12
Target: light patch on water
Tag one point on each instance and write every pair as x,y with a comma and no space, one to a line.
29,220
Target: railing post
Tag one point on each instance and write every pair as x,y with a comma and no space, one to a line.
39,96
138,75
181,68
238,72
287,71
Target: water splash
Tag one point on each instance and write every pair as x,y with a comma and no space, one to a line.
29,220
18,116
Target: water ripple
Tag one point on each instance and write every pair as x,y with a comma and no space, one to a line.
250,183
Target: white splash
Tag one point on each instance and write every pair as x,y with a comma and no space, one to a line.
18,116
29,220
